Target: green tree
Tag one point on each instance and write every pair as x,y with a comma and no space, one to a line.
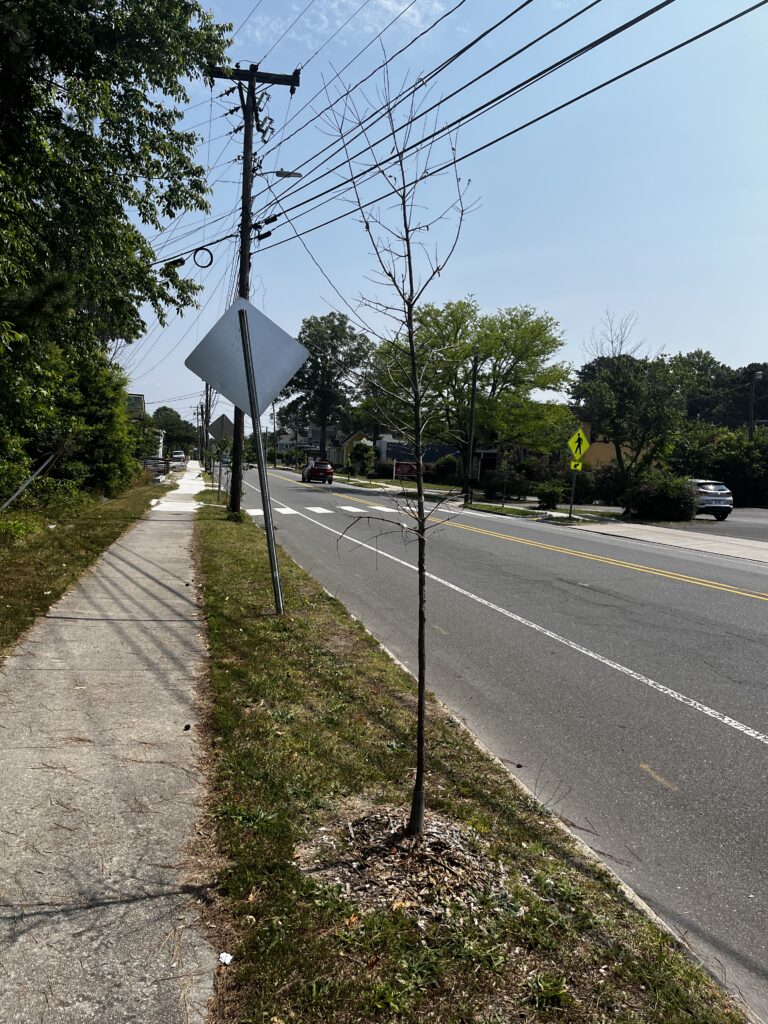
326,383
513,349
636,403
180,434
706,451
144,437
89,150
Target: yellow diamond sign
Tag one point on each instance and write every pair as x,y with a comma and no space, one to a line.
578,444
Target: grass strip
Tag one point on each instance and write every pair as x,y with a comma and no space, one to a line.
37,569
309,718
520,513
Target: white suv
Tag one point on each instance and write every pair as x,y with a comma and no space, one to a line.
713,498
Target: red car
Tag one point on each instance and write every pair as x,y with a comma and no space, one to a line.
320,471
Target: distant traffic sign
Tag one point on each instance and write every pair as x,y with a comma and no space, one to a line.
578,445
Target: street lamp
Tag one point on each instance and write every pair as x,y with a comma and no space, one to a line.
758,375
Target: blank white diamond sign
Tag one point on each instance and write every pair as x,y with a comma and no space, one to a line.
218,359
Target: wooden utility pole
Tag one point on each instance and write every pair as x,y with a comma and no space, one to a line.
246,83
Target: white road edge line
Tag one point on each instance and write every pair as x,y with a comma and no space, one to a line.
637,676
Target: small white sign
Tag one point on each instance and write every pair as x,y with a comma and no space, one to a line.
218,359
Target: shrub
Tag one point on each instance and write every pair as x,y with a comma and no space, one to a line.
609,483
660,495
549,493
585,492
55,498
512,484
445,470
14,529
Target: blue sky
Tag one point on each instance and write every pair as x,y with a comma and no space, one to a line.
649,197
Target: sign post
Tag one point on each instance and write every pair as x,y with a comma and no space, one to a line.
578,445
266,504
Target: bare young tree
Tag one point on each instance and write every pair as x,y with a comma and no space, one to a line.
613,337
395,168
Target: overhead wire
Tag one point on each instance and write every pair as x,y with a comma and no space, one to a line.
359,54
248,16
381,112
471,115
333,36
282,36
183,337
536,120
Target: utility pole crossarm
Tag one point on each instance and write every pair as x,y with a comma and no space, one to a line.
259,77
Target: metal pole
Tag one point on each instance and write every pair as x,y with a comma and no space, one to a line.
758,375
573,492
29,480
468,474
218,496
261,461
274,437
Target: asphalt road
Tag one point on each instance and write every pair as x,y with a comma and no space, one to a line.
628,681
744,523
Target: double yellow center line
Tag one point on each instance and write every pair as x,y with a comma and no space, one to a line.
676,577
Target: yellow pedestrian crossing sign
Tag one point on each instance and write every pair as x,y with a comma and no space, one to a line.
578,445
576,465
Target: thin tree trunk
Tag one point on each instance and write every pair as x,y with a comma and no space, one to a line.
416,820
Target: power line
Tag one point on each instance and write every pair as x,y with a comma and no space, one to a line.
350,62
536,120
332,37
184,335
472,114
282,36
381,112
248,17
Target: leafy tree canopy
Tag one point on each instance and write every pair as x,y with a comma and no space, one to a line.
634,403
328,381
89,150
91,95
180,434
514,348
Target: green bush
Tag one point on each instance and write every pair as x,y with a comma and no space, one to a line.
15,528
55,498
512,484
549,493
585,492
609,483
445,470
660,495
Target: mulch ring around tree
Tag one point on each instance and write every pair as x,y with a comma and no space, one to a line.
372,862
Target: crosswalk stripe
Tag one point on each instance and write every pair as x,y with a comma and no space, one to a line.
255,511
352,508
318,510
382,508
287,511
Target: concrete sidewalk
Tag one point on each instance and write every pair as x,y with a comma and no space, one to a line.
733,547
101,792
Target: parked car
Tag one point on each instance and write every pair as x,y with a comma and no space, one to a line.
713,498
178,458
318,470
